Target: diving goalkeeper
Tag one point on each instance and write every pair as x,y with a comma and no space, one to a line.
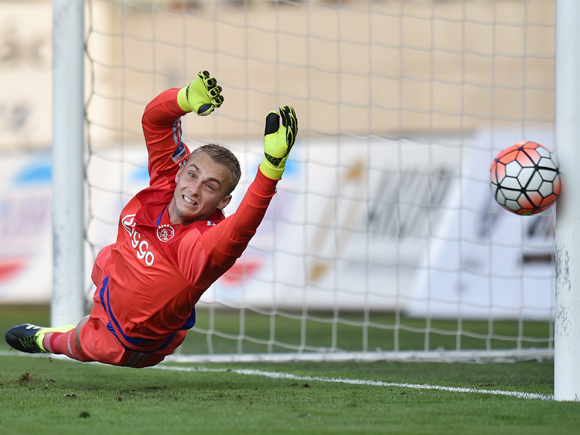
173,240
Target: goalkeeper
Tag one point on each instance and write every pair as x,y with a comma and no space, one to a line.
173,240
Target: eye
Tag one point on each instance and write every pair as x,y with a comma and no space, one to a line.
210,187
191,174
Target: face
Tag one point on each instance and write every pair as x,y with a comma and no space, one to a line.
202,187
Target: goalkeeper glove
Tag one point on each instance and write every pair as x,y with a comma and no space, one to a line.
202,95
278,141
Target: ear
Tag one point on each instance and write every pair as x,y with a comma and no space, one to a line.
224,202
179,171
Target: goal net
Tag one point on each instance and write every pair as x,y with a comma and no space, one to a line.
383,241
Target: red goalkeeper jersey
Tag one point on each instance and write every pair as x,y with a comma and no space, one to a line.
150,279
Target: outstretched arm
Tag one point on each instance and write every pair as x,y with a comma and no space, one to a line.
162,122
225,242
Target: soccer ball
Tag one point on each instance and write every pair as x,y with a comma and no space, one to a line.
525,178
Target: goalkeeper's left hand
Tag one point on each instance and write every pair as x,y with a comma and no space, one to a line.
202,95
278,141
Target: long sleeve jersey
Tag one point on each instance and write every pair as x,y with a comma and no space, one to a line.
150,279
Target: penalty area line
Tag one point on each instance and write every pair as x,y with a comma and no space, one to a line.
289,376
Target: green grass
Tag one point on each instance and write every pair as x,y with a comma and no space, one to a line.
53,396
47,396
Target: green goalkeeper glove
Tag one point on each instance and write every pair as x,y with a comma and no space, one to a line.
202,95
278,141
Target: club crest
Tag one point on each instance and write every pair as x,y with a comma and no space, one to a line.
165,232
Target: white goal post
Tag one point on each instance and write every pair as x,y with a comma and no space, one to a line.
567,325
383,241
68,155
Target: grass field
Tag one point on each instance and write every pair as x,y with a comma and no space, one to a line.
41,395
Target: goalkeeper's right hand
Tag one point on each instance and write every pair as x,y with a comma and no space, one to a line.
202,95
278,141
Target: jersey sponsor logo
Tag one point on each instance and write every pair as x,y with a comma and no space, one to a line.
141,246
165,232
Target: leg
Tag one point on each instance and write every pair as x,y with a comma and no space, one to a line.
46,342
67,343
36,339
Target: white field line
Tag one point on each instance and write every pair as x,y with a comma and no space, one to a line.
281,375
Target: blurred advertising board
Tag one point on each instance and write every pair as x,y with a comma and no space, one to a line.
355,223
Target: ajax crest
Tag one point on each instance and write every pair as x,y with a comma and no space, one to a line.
165,232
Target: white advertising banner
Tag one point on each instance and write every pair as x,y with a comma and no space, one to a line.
355,223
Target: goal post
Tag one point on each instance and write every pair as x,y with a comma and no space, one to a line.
567,322
68,154
383,241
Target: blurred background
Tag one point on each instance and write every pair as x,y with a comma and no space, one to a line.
402,106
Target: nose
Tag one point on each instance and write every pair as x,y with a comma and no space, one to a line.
194,187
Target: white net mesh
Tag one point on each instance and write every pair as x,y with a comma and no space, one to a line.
383,240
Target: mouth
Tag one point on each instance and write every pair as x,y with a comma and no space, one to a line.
189,201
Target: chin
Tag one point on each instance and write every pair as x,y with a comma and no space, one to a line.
190,216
